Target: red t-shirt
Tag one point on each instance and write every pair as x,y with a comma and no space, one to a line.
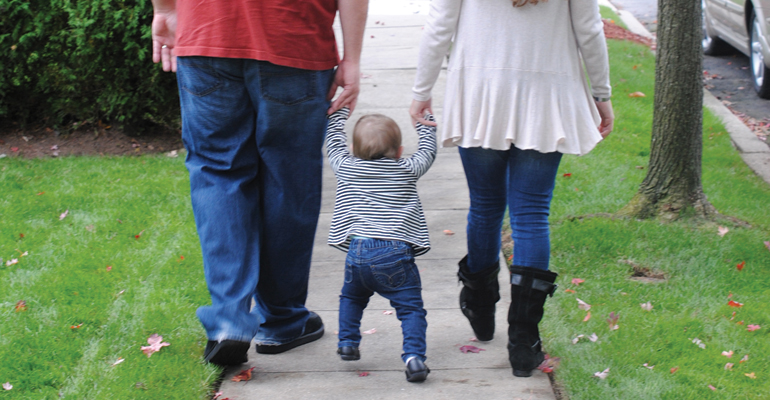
292,33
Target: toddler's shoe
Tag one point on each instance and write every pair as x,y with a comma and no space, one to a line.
349,353
416,370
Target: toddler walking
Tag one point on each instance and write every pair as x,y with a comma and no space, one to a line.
378,220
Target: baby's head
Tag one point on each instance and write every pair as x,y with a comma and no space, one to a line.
376,136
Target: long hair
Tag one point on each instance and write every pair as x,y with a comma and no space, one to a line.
519,3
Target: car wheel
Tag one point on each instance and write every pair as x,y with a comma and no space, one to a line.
712,45
760,74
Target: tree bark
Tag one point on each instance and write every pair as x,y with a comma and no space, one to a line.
673,182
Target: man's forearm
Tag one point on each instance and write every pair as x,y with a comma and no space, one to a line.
353,21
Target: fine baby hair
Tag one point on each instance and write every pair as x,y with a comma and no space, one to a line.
376,136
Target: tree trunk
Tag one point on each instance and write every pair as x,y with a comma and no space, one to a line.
673,182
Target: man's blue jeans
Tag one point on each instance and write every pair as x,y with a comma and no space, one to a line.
254,133
524,181
386,267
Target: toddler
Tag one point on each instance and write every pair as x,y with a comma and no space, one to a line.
378,220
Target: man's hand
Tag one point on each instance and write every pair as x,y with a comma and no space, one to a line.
417,112
164,39
347,76
608,117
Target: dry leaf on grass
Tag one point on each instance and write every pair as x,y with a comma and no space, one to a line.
603,374
156,343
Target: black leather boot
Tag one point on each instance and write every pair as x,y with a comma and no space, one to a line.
477,299
529,289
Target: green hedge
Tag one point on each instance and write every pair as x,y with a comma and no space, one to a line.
66,62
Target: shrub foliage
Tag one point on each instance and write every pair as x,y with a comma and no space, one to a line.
69,61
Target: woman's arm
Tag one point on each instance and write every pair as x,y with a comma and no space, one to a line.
589,32
434,44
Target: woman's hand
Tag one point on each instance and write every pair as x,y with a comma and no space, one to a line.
417,112
608,117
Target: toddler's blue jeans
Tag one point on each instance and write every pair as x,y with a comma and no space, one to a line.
386,267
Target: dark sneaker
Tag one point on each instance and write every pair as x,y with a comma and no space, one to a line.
226,353
349,353
416,370
314,330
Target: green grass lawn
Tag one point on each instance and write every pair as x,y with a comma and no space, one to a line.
698,267
153,285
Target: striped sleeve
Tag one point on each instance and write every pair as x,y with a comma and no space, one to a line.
421,160
336,140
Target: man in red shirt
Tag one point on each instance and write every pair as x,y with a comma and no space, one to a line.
256,79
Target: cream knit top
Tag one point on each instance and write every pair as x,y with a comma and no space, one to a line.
515,74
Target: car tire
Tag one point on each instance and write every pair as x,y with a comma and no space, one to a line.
712,45
760,73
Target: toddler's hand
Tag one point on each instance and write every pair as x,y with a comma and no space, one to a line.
417,112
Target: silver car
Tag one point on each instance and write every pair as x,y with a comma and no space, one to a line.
745,25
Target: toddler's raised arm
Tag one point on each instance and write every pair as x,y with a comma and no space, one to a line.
421,160
336,140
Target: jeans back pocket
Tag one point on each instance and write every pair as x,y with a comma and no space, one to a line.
286,85
198,77
391,275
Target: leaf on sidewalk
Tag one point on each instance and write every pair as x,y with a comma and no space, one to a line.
244,375
470,349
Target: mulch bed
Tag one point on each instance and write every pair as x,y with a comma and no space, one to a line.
40,142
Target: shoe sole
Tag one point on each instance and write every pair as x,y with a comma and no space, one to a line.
417,376
522,373
228,353
304,339
350,358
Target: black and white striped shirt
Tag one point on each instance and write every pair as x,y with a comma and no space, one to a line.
378,198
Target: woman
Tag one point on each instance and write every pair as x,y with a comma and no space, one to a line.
516,100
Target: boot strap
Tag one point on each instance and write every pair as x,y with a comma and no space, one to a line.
479,283
537,284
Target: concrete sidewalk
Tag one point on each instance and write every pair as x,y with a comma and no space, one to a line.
314,371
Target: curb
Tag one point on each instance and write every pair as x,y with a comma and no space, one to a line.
753,151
